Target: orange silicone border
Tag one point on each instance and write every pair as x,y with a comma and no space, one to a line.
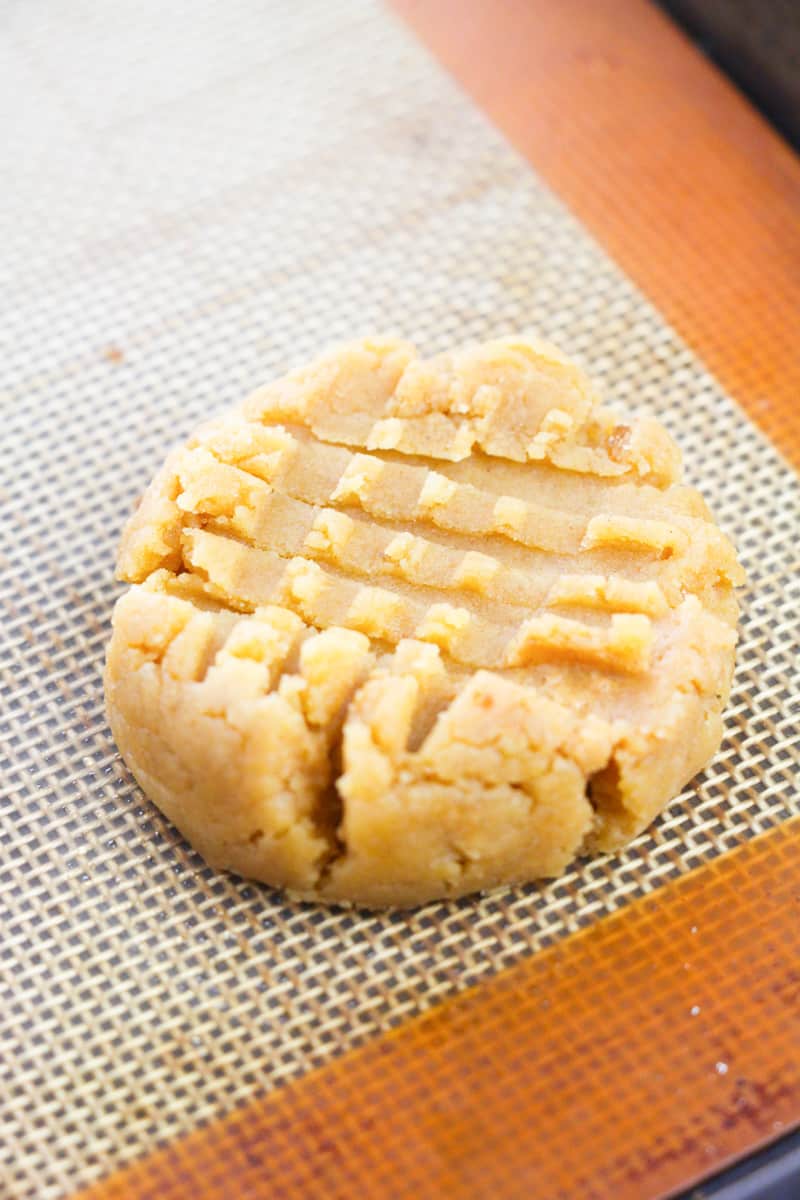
662,159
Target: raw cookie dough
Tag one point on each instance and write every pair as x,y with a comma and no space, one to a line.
405,629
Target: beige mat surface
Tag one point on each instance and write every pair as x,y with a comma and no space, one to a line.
200,197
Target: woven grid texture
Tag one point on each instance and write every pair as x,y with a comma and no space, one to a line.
203,195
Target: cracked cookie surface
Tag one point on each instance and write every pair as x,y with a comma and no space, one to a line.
405,629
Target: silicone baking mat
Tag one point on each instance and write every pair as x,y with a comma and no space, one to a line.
197,197
626,1062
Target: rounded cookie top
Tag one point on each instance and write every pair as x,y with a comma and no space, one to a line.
404,629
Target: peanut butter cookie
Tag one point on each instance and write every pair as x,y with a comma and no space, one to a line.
404,629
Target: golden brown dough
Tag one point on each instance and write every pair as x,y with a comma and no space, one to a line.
406,629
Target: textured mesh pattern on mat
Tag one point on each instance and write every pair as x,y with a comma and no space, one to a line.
199,200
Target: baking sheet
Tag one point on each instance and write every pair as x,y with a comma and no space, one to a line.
195,199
